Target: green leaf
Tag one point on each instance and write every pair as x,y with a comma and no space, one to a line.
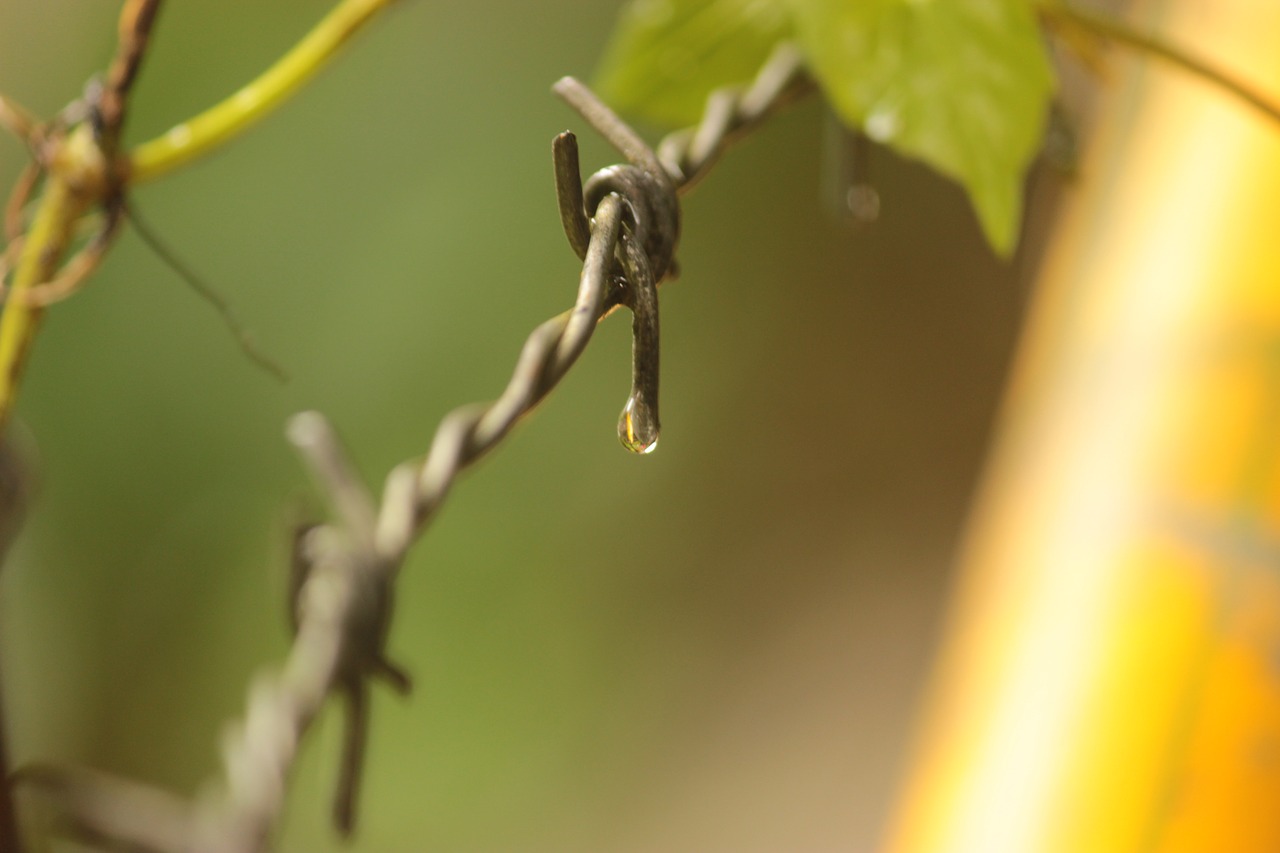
961,84
666,56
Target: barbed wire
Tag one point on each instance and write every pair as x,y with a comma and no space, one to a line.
624,223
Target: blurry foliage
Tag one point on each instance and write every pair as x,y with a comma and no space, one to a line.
963,85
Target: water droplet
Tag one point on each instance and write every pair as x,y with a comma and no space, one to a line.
882,124
863,203
637,428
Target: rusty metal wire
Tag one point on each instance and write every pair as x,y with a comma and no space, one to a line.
624,223
730,113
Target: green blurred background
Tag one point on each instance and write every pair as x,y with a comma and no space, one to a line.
714,648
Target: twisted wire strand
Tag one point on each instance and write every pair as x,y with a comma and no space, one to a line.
346,568
468,433
731,113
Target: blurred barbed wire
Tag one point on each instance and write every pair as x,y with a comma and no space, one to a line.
624,223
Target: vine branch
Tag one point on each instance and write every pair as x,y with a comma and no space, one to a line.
77,155
242,109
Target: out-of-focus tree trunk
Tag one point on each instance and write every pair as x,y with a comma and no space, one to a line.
1110,680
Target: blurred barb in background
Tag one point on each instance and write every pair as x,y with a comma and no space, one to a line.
1110,680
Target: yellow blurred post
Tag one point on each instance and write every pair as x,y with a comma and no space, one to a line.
1110,680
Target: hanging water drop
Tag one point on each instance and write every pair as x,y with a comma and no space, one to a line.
882,124
862,203
638,428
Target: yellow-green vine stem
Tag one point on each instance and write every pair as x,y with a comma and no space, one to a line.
221,122
75,180
43,247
